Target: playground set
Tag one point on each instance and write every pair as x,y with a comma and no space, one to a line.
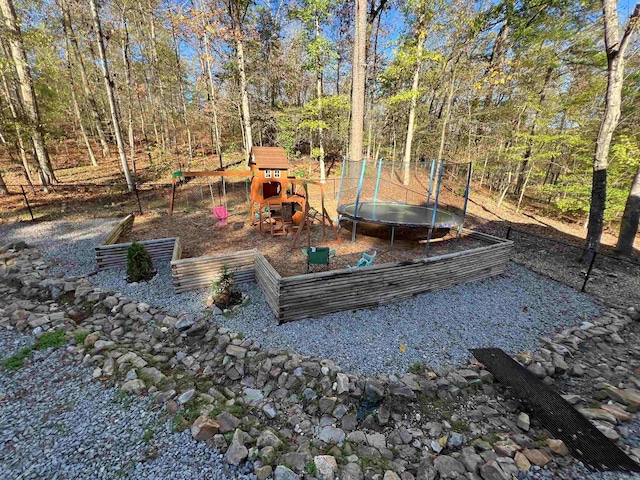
279,204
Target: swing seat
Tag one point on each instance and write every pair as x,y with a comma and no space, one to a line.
221,214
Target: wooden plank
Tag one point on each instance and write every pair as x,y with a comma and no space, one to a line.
116,231
177,250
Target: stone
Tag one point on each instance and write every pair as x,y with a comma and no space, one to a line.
492,471
236,351
617,411
538,370
252,396
109,366
374,390
351,471
262,473
186,396
283,473
523,421
598,414
101,345
536,457
269,410
110,302
237,452
376,440
268,439
326,466
204,428
470,459
445,465
628,397
426,471
390,475
133,386
327,404
331,434
557,446
342,383
227,422
297,461
522,462
268,455
401,390
184,323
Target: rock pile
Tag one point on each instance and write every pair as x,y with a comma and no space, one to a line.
298,416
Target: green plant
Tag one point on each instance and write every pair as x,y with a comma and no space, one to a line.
16,361
80,336
53,338
139,264
416,368
148,434
222,289
311,468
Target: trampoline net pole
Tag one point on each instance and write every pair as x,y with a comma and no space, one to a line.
433,167
466,198
375,192
364,166
344,167
435,209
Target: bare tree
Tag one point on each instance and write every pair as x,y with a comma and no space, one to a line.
29,101
630,219
414,102
615,49
108,82
358,79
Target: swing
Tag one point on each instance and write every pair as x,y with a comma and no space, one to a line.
221,211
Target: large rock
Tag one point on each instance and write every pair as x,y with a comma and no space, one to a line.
283,473
237,452
204,428
297,461
342,383
133,386
186,396
268,439
445,465
227,422
331,434
492,471
185,322
351,471
536,457
326,466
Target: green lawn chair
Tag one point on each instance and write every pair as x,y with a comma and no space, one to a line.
365,261
317,257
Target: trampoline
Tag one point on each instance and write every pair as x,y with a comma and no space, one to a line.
399,215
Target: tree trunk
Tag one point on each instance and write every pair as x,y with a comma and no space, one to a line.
212,98
108,82
3,186
615,49
29,101
128,81
244,95
446,114
91,102
412,109
630,218
319,95
358,78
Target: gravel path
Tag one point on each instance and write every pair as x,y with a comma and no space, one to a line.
438,328
71,245
58,423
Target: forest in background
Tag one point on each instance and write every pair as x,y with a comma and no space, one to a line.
517,87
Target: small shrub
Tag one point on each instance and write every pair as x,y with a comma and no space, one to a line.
51,339
311,468
16,361
80,336
222,289
139,264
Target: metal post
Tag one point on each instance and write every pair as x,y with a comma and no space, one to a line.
466,197
586,279
508,232
355,210
435,208
375,192
26,200
393,234
344,161
135,190
433,168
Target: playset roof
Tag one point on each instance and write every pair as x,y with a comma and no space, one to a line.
269,158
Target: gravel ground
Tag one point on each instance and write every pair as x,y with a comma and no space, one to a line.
70,245
58,423
438,328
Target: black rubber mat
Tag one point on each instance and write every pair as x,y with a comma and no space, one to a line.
563,421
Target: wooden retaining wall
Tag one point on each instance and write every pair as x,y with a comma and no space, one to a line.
311,295
115,256
116,232
199,272
269,282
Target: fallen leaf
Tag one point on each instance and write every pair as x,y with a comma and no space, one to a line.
403,349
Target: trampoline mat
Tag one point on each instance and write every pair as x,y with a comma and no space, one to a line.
399,214
584,440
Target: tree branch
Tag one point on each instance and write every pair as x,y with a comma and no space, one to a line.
631,26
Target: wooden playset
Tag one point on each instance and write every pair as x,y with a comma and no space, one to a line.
278,202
